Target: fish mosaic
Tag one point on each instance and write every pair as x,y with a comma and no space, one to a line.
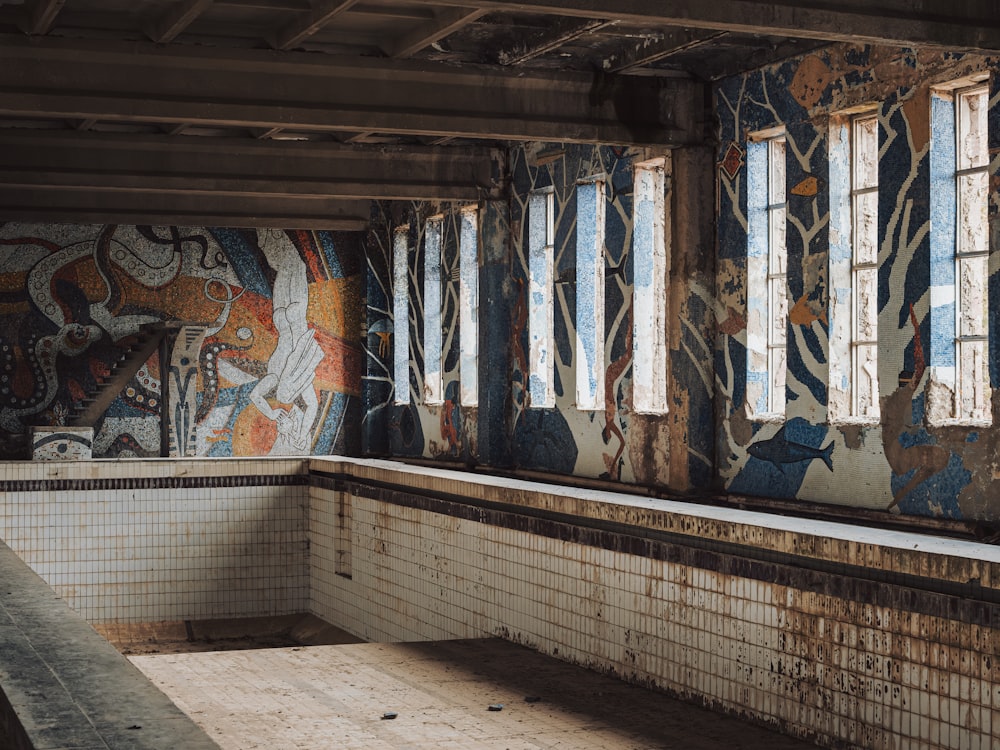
779,450
905,461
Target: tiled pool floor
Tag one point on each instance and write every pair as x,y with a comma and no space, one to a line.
441,692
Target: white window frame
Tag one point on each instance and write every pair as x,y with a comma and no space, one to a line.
852,185
972,260
861,267
650,263
767,276
468,309
952,258
401,315
590,252
541,337
433,339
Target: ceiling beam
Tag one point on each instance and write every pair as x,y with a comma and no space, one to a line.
233,167
172,209
563,32
307,24
646,52
262,133
209,87
445,23
175,19
41,14
972,24
283,5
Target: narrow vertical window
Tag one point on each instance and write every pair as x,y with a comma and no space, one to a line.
767,298
468,244
432,311
401,315
777,275
649,300
959,173
854,268
972,388
541,248
864,267
590,208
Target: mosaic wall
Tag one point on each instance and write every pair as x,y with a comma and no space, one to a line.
401,422
270,365
904,463
612,441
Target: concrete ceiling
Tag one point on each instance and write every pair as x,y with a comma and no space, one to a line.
295,112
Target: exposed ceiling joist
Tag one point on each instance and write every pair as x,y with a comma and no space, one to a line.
176,209
673,41
321,13
423,36
562,32
973,24
62,161
175,19
262,133
71,79
286,5
41,14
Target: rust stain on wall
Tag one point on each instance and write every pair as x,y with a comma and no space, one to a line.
807,188
917,111
806,311
810,81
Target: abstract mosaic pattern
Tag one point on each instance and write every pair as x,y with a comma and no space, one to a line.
272,367
417,428
903,463
614,441
61,443
609,441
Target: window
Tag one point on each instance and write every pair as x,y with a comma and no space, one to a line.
959,255
650,228
401,315
854,245
590,208
468,310
541,248
971,255
767,298
433,386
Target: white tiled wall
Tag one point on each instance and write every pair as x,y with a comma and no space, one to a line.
843,672
147,555
844,669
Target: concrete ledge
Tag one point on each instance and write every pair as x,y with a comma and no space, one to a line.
66,687
948,563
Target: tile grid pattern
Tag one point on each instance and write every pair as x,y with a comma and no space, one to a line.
165,546
871,666
848,660
440,691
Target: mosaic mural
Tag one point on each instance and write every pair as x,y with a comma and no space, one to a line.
445,430
611,441
903,463
269,365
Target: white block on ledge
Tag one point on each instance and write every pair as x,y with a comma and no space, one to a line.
62,443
